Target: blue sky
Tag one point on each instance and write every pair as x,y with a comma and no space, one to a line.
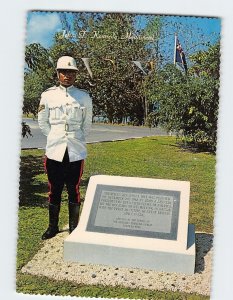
41,27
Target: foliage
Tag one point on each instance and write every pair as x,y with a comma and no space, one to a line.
26,130
188,105
116,84
112,42
39,76
121,92
33,87
152,119
36,56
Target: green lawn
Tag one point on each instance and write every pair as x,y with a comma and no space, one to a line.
154,157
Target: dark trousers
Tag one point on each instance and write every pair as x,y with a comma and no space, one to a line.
64,173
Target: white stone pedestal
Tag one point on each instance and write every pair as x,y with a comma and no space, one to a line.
148,228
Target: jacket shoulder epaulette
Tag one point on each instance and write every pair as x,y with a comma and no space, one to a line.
51,88
48,91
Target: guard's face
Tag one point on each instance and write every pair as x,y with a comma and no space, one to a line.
66,77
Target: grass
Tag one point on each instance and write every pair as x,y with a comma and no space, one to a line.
30,116
44,286
154,157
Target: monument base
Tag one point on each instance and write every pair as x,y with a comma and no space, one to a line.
99,248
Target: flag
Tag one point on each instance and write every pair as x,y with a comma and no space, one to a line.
86,63
139,65
179,56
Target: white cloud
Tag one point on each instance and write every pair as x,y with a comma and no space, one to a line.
41,27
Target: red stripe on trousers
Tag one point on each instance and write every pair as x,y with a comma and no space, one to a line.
49,183
77,185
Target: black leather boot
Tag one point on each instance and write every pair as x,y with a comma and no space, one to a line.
52,230
73,216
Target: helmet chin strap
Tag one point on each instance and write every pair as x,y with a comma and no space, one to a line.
58,77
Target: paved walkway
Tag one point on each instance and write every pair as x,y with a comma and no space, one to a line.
99,133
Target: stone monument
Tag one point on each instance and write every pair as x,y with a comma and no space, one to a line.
134,222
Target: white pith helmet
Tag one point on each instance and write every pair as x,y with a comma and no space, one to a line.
67,63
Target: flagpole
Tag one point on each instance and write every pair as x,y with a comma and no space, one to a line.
175,48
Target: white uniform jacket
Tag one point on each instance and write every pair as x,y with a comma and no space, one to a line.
65,116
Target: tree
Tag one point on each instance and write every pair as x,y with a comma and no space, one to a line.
36,57
206,71
188,105
39,75
33,87
111,42
120,90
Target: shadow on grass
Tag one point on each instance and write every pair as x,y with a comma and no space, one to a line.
204,243
187,147
34,192
29,189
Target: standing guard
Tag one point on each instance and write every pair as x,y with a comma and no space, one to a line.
64,116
